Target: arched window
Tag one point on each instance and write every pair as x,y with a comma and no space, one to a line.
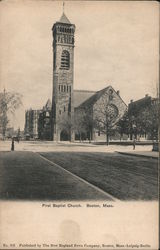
65,60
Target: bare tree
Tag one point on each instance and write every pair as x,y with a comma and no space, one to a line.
105,116
80,123
66,124
9,102
90,123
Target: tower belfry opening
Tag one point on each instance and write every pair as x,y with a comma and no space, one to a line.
63,68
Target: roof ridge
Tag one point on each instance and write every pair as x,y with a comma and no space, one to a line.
94,96
83,90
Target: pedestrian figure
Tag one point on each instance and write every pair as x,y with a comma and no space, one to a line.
134,143
12,145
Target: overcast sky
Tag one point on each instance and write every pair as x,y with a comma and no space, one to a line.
116,43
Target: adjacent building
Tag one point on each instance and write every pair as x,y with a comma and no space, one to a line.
31,123
44,122
143,115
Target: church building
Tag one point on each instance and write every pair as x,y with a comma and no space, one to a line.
64,101
56,120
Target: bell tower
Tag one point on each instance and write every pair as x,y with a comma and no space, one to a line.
63,77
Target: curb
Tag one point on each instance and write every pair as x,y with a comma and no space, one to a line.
81,179
137,155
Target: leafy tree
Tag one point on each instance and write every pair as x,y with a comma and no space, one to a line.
123,125
147,121
9,103
141,123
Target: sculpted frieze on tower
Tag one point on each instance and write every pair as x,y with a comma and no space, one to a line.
64,38
63,33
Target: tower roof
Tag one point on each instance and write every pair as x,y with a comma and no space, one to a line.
64,19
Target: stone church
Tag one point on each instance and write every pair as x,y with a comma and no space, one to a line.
67,102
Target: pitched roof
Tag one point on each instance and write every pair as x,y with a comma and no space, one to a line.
82,95
83,98
79,97
64,19
94,98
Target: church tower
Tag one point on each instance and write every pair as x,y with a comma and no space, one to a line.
63,77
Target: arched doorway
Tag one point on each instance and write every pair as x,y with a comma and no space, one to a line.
64,136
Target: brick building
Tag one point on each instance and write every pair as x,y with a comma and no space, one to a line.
143,116
31,123
44,122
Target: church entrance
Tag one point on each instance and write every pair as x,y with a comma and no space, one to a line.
64,136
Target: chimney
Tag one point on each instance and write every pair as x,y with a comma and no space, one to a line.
146,95
131,100
118,92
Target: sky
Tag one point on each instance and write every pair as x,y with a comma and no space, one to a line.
116,43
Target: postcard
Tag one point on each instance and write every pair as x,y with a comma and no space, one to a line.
79,108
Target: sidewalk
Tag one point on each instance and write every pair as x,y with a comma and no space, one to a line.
149,154
49,146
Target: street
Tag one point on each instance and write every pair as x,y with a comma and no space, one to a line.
86,173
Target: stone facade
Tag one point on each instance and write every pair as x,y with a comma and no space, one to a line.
39,122
111,105
115,105
63,73
104,108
